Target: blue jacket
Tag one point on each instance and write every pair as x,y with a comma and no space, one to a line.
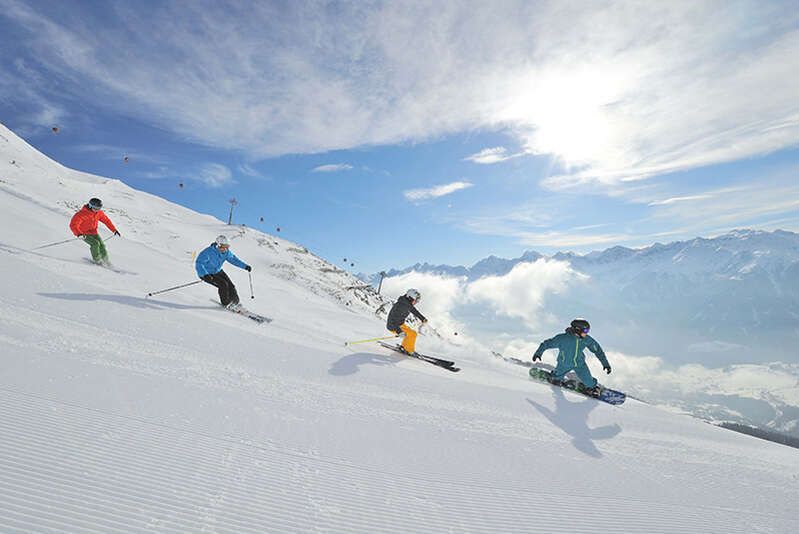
210,260
570,349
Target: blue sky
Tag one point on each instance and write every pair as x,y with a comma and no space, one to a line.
392,133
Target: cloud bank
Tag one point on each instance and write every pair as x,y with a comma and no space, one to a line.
614,91
522,292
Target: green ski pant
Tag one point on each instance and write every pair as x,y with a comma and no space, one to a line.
99,253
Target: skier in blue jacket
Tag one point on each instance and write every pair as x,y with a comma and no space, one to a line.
570,347
209,269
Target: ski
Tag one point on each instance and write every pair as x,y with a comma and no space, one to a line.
444,364
108,267
252,315
611,396
247,313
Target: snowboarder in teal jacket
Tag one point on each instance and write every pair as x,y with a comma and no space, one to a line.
570,347
209,268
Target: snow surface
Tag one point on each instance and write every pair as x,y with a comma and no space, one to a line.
121,413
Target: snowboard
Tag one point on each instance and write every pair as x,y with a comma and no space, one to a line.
611,396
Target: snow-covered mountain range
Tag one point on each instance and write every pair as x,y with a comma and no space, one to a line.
123,413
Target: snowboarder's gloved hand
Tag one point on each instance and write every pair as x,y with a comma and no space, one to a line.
606,367
248,268
536,356
207,278
116,233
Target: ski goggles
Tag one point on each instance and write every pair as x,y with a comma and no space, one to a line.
585,330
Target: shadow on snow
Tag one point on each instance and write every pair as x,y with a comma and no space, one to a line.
136,302
349,364
572,418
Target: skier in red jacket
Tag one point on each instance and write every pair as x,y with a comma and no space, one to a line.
84,225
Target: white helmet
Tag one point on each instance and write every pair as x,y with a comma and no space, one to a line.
413,294
222,241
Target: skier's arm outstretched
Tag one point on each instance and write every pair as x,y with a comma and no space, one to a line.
106,221
594,347
418,314
546,344
236,261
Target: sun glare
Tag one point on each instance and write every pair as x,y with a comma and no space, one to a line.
569,114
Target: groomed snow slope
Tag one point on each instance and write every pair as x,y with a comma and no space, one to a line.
120,413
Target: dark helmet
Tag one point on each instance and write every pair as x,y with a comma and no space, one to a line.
96,204
580,325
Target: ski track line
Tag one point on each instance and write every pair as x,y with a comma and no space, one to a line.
650,479
112,466
133,457
150,461
149,357
159,349
208,374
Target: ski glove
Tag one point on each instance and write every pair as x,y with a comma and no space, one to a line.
248,268
117,233
536,356
606,368
207,278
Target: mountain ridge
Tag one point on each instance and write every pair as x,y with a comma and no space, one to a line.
497,266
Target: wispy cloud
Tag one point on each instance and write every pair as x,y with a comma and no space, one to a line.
672,200
158,173
333,167
111,152
533,225
734,206
577,83
27,87
215,175
249,170
415,195
488,156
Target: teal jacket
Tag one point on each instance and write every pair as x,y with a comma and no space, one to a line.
570,349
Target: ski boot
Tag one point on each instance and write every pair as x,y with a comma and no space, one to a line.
593,392
555,381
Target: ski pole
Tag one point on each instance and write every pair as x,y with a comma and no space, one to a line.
173,288
54,244
368,340
252,295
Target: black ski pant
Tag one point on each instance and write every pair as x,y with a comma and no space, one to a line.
227,291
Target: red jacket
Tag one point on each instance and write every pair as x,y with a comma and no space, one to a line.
85,222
